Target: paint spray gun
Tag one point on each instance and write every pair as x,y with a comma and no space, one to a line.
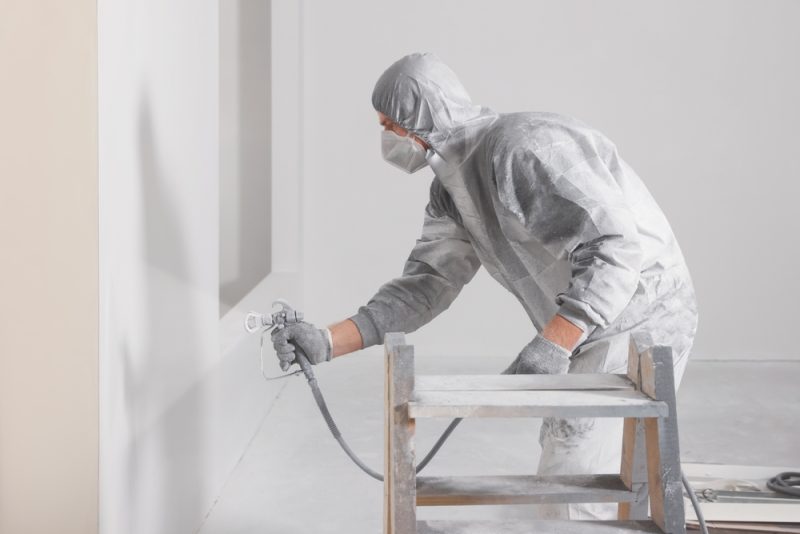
256,322
263,322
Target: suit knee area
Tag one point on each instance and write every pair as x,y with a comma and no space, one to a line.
565,431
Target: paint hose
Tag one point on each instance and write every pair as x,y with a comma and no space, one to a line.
255,322
787,483
305,365
695,503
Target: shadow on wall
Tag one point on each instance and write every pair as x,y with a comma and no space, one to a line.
166,454
245,148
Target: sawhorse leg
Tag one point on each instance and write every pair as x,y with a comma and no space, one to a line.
661,437
400,493
634,458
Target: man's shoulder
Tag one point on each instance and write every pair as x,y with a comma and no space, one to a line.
536,130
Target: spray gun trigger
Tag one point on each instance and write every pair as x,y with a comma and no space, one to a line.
289,314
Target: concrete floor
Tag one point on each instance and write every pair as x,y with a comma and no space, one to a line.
293,479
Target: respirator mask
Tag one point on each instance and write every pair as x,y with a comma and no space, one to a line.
402,151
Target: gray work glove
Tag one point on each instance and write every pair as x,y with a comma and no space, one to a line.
540,357
303,337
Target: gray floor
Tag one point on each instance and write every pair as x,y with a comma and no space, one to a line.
294,479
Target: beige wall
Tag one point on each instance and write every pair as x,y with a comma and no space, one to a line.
48,267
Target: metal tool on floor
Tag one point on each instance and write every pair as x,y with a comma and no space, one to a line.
645,398
650,460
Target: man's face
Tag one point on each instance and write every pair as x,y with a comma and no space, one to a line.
389,125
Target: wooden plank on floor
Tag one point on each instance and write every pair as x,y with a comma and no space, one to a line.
757,474
534,404
525,489
747,512
719,476
522,382
537,527
737,527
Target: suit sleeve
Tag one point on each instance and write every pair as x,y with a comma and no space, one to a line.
440,264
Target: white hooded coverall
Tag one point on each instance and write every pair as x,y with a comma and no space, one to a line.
548,207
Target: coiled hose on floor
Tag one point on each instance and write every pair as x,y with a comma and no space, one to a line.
787,483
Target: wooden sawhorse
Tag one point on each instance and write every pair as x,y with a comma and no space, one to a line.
650,469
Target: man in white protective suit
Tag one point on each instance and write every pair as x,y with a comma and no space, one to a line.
548,207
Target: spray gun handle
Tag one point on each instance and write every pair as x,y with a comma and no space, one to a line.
255,321
288,315
301,360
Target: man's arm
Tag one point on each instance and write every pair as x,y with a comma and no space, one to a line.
346,338
440,264
562,332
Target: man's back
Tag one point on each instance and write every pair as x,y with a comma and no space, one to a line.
566,147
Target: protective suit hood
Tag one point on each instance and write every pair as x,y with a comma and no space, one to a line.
421,94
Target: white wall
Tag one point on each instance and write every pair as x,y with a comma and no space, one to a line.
701,98
181,394
48,267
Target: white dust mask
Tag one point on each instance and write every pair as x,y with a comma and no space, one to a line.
402,152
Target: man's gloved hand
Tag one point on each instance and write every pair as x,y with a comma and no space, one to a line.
540,357
314,342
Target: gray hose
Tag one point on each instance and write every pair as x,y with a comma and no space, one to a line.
787,483
337,435
439,442
695,504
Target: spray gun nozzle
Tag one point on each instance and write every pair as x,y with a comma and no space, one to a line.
255,321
